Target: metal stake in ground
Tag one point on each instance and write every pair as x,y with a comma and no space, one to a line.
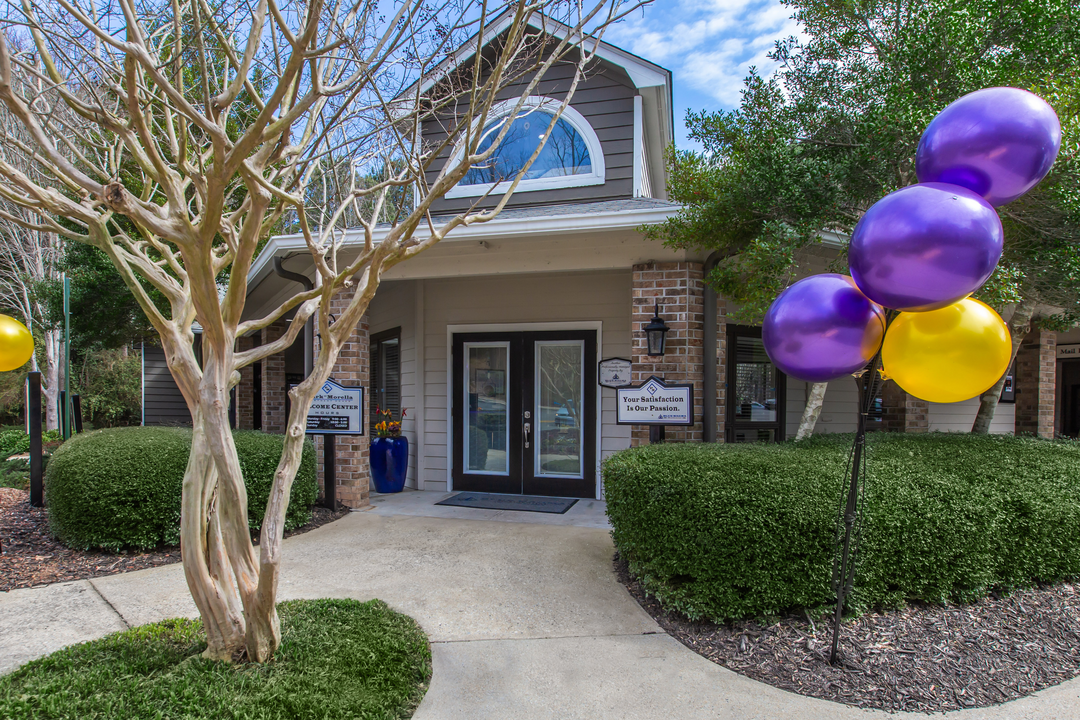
33,422
850,509
329,472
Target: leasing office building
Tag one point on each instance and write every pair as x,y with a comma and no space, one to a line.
491,338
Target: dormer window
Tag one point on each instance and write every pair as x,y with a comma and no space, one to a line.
571,157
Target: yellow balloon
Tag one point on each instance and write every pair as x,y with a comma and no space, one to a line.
947,355
16,344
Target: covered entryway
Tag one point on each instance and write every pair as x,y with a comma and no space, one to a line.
524,412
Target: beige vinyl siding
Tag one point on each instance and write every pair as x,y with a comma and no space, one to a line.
841,405
838,411
958,417
393,306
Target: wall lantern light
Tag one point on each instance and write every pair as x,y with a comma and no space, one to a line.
655,332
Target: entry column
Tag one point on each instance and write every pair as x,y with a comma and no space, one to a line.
902,412
352,472
1036,382
679,290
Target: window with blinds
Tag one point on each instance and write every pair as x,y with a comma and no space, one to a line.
386,373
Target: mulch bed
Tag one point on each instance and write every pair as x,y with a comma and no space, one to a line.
30,556
924,658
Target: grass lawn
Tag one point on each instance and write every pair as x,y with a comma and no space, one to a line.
338,659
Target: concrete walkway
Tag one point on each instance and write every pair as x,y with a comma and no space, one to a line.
524,613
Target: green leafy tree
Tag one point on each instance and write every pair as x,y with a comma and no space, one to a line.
810,149
104,314
109,383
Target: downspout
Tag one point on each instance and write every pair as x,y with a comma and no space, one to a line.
309,326
708,351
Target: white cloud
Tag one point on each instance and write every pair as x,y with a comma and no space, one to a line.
710,46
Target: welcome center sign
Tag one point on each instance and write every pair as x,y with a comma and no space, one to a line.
337,410
654,402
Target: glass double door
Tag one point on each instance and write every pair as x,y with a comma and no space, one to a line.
524,413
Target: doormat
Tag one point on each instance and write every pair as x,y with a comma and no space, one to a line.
525,503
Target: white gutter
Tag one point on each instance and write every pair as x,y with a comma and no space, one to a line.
491,230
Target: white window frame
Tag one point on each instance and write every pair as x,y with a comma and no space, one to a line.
570,115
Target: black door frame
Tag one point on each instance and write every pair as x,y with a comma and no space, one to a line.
1067,415
520,398
731,425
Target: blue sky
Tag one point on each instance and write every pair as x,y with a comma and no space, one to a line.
709,45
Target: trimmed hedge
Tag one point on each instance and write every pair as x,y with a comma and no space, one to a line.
121,487
732,531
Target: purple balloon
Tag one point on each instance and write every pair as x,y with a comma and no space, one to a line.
925,246
822,328
998,143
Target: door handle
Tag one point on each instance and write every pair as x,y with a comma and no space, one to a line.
528,428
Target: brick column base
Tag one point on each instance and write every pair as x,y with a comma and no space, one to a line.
901,412
352,471
1036,383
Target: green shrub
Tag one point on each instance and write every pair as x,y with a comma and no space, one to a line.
14,440
121,487
259,455
730,531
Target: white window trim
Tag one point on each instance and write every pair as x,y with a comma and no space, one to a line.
570,115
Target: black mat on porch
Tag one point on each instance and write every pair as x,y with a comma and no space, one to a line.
525,503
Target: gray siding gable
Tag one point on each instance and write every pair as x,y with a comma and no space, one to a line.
163,404
605,97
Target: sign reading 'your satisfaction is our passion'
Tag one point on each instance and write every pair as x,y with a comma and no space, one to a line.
654,402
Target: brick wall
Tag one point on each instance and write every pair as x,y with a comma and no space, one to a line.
1036,382
245,401
352,472
679,290
901,412
273,383
721,368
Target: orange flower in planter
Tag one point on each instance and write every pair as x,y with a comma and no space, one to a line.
388,427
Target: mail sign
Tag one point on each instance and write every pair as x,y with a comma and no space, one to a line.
654,402
337,410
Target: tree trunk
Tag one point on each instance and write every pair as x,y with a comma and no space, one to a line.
234,589
812,410
219,559
207,567
1018,325
53,380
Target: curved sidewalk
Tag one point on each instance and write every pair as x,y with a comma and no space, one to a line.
526,619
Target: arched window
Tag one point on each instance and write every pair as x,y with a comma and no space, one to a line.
571,157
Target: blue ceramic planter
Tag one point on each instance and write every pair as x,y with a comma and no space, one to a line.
389,463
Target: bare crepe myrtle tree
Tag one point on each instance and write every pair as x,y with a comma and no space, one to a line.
28,259
176,136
